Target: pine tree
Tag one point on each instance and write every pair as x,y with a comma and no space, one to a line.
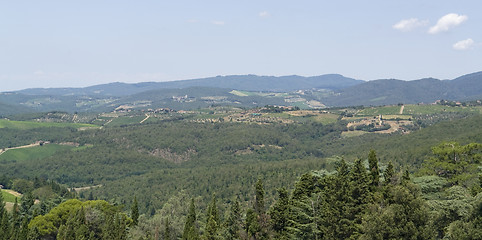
190,229
135,212
374,171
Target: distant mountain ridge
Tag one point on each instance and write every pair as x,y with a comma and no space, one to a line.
391,91
330,90
238,82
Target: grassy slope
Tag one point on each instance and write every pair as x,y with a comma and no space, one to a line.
7,197
33,153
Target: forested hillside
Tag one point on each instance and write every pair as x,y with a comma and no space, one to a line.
358,200
145,175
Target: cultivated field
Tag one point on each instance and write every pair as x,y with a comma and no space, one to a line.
22,125
32,153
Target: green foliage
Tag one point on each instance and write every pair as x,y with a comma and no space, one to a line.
233,224
66,218
213,222
373,166
23,125
33,153
388,174
259,198
191,231
280,214
135,212
454,162
7,197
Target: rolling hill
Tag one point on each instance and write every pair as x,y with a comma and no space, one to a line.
326,90
238,82
391,91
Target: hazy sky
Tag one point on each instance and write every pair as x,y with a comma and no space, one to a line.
80,43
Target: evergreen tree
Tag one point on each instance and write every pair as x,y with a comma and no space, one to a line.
337,218
233,222
212,223
373,165
259,198
280,213
24,229
27,202
2,205
252,225
360,184
304,219
108,229
5,226
406,177
388,174
34,234
167,229
15,221
135,212
190,228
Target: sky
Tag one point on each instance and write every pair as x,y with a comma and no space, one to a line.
81,43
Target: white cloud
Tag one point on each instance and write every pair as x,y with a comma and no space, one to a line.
264,14
38,72
447,22
406,25
220,23
464,44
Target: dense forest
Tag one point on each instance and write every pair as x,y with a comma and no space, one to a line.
356,201
197,177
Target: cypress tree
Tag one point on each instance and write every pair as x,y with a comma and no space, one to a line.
233,222
373,164
259,198
135,212
280,213
27,202
2,205
190,230
388,174
406,177
167,230
252,225
212,222
360,182
5,226
24,229
213,210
